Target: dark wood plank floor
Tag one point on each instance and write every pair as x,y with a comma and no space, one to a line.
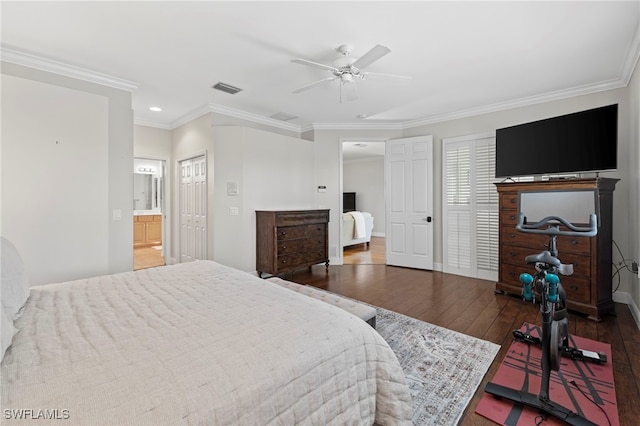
470,306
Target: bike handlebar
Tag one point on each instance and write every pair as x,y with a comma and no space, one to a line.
575,231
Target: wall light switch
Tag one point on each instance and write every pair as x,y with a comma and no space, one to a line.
117,214
233,211
322,188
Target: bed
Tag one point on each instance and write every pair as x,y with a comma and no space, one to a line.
194,343
350,234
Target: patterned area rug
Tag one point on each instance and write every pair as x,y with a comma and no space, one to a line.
443,367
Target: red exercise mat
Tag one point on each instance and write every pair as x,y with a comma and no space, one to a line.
521,365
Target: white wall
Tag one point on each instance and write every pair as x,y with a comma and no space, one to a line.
634,188
66,167
150,142
273,172
365,177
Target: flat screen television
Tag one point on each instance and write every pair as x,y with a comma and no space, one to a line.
348,202
585,141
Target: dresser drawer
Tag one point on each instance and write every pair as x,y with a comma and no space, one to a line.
291,218
304,244
509,200
297,259
302,231
515,255
509,217
535,242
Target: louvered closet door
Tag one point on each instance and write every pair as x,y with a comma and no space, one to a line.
457,216
470,207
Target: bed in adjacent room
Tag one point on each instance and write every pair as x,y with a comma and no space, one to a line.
193,343
356,228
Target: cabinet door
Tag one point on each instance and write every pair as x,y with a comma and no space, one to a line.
138,233
154,232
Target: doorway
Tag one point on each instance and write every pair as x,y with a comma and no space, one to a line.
149,219
364,192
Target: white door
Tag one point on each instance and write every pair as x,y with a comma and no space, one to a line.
193,209
409,210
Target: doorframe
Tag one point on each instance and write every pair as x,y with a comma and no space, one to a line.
178,216
166,204
340,249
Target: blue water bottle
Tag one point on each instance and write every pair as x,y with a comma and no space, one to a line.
527,289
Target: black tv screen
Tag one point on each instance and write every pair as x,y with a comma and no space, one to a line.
348,202
585,141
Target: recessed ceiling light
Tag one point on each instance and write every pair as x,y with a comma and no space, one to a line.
156,109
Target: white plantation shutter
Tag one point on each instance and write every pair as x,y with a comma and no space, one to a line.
457,218
486,201
470,231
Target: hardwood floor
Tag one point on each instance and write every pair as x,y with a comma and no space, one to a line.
363,254
147,257
470,306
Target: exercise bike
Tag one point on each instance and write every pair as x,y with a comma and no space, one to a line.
546,283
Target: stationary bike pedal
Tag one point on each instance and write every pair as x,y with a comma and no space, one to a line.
525,338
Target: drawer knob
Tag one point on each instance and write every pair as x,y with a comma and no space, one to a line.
512,253
284,247
574,242
512,235
284,232
573,287
513,200
512,217
284,261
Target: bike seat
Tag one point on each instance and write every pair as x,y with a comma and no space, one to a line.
544,257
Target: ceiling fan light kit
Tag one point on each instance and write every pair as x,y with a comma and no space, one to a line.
347,69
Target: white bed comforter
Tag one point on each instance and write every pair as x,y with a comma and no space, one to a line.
196,343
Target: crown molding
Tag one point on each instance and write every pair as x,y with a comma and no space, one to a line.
522,102
358,126
27,59
152,124
632,58
255,118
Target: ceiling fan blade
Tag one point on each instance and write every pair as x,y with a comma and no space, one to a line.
314,64
312,85
376,52
375,75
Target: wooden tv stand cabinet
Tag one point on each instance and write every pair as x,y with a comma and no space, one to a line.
589,289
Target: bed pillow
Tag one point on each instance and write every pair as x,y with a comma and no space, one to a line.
15,285
6,332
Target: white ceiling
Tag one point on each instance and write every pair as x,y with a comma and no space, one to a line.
464,57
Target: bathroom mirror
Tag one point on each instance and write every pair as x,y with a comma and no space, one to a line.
148,188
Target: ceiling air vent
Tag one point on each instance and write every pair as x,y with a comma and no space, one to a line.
283,116
226,88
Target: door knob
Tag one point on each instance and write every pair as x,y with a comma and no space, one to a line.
427,219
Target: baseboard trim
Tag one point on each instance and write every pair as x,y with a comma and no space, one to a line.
438,267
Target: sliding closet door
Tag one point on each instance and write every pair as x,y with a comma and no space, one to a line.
470,207
193,209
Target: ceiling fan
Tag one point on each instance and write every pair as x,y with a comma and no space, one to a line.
347,69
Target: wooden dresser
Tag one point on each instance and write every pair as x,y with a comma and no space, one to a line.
589,289
291,239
